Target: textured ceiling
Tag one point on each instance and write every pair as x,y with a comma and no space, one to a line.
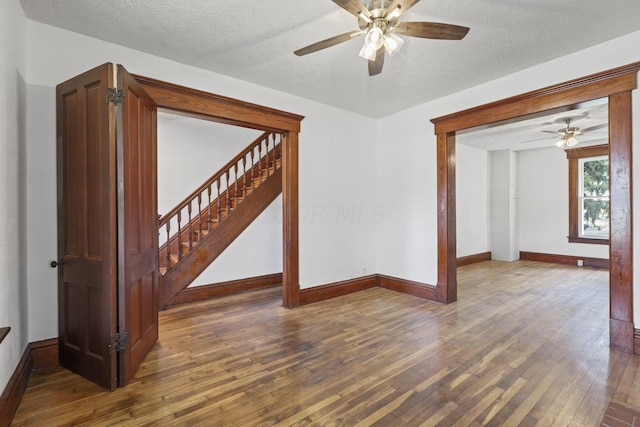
541,130
253,40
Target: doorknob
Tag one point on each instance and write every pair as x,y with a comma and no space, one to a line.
54,264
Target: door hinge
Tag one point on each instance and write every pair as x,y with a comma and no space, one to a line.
114,95
119,343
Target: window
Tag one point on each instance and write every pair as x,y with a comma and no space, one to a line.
589,194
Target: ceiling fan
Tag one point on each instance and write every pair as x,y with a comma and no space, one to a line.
568,133
378,22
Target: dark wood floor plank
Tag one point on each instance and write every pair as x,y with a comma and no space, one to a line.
525,344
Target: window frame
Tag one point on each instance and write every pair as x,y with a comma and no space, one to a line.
574,155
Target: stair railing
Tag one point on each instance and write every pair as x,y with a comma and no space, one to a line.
210,203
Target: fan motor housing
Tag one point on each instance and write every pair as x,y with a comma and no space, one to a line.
378,9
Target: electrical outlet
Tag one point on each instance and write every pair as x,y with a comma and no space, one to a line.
580,263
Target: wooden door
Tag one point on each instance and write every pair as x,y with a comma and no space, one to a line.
107,225
86,174
138,287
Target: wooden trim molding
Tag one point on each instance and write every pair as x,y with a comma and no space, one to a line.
12,394
209,106
565,259
290,222
44,353
616,84
199,293
333,290
4,332
473,259
37,355
573,156
410,287
572,239
337,289
621,335
590,151
446,181
594,86
636,341
313,294
621,221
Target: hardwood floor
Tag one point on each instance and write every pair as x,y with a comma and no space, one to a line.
526,344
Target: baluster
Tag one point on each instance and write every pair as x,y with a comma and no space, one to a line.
179,237
235,183
218,202
280,149
244,175
209,217
189,226
273,153
252,168
168,244
266,154
199,215
260,160
228,191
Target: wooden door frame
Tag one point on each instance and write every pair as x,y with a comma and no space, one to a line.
616,84
208,106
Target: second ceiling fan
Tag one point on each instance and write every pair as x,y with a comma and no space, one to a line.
378,22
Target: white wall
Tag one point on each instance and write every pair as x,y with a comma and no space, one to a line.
544,205
406,182
472,200
337,163
504,205
189,152
13,291
407,241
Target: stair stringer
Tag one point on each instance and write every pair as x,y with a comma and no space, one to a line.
220,237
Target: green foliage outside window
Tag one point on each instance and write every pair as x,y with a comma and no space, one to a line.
595,196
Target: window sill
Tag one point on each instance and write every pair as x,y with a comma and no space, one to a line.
3,333
574,239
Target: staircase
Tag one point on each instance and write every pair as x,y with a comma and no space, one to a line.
203,225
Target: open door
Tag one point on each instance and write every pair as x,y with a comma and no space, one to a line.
107,225
138,286
87,251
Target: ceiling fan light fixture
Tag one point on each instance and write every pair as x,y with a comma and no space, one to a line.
368,53
571,141
373,41
374,38
568,135
392,43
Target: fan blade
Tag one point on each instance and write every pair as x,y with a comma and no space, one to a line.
432,30
375,67
592,128
328,42
354,7
537,139
403,4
